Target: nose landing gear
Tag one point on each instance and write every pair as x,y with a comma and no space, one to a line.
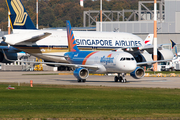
120,77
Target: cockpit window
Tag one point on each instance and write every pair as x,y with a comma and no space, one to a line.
126,59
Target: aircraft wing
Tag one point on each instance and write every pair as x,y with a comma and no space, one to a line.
151,62
35,38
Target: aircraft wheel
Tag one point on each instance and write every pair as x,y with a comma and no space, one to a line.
79,80
124,81
120,79
116,79
83,80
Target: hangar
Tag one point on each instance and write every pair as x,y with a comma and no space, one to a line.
140,22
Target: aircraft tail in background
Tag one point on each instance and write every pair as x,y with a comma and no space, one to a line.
18,15
173,45
71,39
149,39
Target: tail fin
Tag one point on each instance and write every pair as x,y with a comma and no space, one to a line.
18,15
149,39
173,44
71,40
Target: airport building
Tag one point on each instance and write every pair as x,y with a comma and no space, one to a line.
140,22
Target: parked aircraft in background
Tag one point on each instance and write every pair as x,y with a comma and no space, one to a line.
119,62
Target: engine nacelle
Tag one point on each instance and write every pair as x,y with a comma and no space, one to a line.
81,73
143,57
165,54
137,73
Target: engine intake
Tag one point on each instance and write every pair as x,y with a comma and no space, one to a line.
137,73
81,73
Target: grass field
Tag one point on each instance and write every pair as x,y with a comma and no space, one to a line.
55,101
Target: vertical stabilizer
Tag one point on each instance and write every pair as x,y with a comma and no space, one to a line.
18,15
149,39
71,40
173,44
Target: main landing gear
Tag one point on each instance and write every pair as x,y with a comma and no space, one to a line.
120,77
81,80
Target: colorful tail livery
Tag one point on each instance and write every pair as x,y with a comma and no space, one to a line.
173,44
18,15
149,39
71,40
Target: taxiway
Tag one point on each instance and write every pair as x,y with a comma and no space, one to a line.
149,82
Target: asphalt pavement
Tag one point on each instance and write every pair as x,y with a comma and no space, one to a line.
92,80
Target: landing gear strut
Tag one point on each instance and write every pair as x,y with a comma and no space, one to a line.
120,77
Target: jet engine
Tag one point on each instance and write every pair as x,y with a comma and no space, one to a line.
162,54
143,57
81,73
137,73
10,56
165,54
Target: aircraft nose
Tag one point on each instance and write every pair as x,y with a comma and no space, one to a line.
129,66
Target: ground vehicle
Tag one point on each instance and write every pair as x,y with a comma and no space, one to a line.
171,65
165,66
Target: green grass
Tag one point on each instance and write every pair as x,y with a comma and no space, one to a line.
43,101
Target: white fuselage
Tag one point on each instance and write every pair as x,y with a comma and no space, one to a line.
56,43
107,61
119,62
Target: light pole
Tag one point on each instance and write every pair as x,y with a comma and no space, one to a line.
155,35
37,14
101,15
9,26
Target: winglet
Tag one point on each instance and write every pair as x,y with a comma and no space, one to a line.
18,15
71,39
172,46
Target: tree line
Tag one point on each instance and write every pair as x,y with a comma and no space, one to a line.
54,13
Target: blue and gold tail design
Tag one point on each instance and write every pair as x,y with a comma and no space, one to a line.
18,15
71,40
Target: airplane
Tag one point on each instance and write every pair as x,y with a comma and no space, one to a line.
50,45
85,62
